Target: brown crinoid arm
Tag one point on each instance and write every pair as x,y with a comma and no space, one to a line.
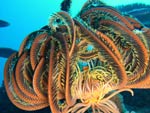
115,29
71,36
35,51
52,90
62,22
138,57
63,32
40,77
58,75
96,14
134,22
105,51
21,75
12,88
144,81
26,97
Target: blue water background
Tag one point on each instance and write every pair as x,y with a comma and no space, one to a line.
26,16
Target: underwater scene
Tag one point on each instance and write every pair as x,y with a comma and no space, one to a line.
75,56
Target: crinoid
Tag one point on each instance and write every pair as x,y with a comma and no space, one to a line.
80,64
94,93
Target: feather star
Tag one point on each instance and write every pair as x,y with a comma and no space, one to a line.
81,63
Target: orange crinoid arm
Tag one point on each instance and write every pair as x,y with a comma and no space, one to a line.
79,64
